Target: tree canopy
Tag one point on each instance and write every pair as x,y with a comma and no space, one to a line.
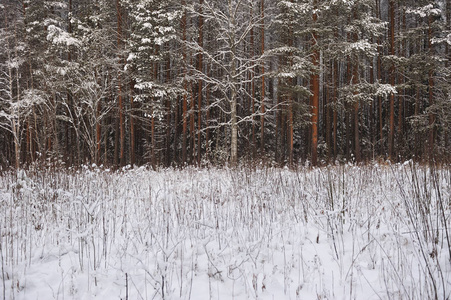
179,82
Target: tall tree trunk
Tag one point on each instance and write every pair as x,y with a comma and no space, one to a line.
132,126
98,133
234,127
401,117
116,143
185,87
155,145
105,149
448,57
336,81
315,93
68,92
431,139
199,82
207,118
417,148
252,104
15,125
262,117
291,81
28,141
16,143
356,116
355,81
379,77
372,113
191,124
176,155
348,112
279,116
391,134
233,96
119,86
153,155
290,132
327,111
168,116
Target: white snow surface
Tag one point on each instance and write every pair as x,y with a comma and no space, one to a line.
340,232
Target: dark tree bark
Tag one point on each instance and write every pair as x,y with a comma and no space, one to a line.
432,131
119,86
262,118
185,87
391,134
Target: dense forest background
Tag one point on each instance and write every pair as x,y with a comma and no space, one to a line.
175,82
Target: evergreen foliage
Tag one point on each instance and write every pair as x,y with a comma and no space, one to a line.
191,81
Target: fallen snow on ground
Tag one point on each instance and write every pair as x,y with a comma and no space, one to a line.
342,232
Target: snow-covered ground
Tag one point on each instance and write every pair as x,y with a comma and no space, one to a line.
342,232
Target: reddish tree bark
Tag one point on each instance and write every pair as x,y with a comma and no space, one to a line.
119,87
336,81
132,127
199,82
314,79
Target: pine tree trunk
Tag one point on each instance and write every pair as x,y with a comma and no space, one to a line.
315,95
336,81
262,117
119,87
29,145
401,117
168,116
417,149
234,127
16,143
372,114
116,143
379,77
191,125
199,82
290,107
356,118
207,119
185,87
132,127
431,139
391,135
98,133
68,93
252,104
355,81
185,125
447,56
233,97
14,124
153,157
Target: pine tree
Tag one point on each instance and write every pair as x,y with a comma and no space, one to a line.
421,66
294,66
153,30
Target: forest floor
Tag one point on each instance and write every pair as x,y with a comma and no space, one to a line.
338,232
